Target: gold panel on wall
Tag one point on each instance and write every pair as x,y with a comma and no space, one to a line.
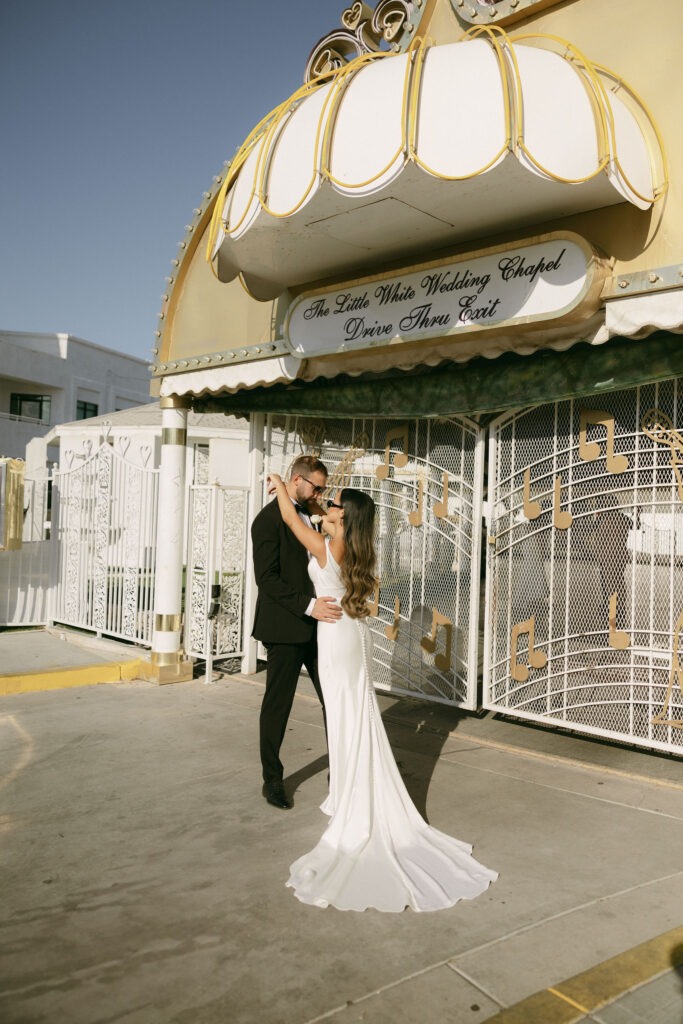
205,321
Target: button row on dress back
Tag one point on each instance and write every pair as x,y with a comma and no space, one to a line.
366,667
368,683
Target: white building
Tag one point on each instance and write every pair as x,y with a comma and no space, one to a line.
47,379
216,451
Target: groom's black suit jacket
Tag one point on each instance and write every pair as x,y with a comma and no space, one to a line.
284,587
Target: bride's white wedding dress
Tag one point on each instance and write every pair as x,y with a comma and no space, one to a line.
377,850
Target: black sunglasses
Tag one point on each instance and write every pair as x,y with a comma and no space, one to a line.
333,504
316,490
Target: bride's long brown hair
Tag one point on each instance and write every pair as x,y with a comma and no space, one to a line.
358,563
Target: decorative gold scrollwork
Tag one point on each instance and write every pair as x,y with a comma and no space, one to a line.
355,15
659,428
390,18
333,52
362,32
663,717
341,475
311,435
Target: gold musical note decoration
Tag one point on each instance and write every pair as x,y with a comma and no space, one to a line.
617,638
562,519
391,632
400,458
428,643
676,674
415,517
373,606
311,435
441,507
590,450
343,471
532,509
657,425
537,659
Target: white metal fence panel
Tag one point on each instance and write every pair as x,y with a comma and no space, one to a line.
104,512
425,477
216,560
585,572
25,575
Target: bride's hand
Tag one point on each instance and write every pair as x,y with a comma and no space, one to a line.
272,480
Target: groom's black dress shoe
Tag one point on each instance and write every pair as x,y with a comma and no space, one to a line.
274,792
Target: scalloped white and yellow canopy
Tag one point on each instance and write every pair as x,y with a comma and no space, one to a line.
397,154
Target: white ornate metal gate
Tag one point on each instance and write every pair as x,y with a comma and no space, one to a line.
104,524
425,477
585,565
216,559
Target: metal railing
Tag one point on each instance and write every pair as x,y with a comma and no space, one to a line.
104,525
35,421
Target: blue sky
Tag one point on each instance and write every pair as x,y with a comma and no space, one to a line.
114,117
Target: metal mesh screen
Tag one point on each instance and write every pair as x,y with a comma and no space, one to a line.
425,477
585,575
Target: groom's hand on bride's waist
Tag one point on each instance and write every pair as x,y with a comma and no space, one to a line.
326,609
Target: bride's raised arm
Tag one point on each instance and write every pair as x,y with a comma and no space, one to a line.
310,538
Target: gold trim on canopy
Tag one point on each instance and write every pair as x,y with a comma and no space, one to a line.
356,166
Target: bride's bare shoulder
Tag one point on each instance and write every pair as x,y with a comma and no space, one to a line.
336,550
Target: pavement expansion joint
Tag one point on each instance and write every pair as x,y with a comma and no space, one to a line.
475,983
450,759
514,749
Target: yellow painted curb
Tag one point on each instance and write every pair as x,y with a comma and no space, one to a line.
78,675
573,999
541,1008
132,669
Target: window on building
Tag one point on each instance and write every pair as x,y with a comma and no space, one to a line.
84,410
36,407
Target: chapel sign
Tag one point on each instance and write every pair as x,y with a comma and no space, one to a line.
543,281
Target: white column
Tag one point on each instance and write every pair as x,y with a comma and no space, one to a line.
167,658
256,427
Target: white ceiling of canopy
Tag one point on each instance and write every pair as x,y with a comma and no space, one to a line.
404,153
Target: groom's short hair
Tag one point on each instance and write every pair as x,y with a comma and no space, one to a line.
303,465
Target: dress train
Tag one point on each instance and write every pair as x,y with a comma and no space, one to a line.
377,850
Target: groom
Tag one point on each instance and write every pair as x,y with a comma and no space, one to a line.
286,610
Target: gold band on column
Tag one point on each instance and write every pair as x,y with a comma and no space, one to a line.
164,658
175,402
168,623
173,435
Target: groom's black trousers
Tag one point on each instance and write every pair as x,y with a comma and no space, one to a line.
282,675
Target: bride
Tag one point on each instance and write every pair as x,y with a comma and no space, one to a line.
377,851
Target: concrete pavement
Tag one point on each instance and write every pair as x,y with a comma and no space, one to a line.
52,659
143,873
